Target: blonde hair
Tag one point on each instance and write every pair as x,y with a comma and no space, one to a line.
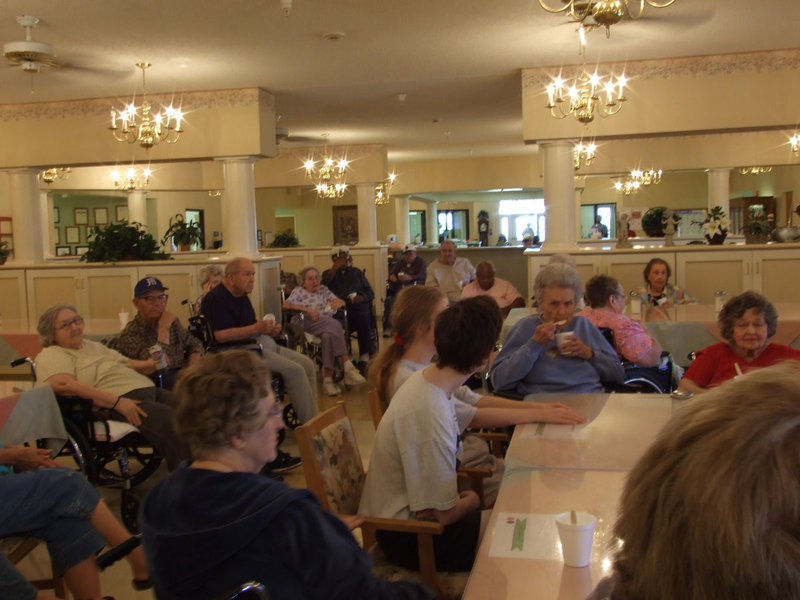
412,311
712,510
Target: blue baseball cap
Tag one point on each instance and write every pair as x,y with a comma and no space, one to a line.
147,284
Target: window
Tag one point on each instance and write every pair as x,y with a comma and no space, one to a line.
519,218
453,224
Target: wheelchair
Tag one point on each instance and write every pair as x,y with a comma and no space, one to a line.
309,344
646,380
109,453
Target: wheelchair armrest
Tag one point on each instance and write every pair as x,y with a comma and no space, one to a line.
75,404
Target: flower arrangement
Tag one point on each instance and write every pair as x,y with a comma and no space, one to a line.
716,222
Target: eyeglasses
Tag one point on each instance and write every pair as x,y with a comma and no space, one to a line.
70,323
158,298
275,411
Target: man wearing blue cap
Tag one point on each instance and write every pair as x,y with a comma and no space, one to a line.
153,324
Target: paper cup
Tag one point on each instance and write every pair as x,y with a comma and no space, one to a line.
576,540
561,339
269,318
636,305
123,319
351,295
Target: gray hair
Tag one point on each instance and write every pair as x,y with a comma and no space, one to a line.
561,276
304,270
209,271
562,259
738,305
47,322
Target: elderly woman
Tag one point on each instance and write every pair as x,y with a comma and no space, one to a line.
747,322
710,511
75,366
319,304
531,362
657,290
210,277
607,309
215,523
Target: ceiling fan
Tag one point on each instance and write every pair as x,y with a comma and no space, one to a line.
30,54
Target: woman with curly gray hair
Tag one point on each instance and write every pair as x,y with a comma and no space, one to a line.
531,362
747,322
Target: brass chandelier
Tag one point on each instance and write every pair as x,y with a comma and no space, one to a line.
583,154
53,173
383,189
328,176
586,95
603,13
795,143
637,180
132,179
136,125
754,170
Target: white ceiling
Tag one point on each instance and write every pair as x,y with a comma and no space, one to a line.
457,61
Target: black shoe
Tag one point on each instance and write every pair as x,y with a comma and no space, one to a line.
362,367
284,462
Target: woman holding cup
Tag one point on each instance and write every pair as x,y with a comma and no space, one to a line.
556,351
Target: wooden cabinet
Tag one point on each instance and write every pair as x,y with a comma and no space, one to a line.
14,305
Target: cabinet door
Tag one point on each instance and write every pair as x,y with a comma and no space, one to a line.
702,272
48,286
105,292
775,274
14,308
628,268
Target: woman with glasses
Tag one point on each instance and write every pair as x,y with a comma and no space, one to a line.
216,522
607,309
75,366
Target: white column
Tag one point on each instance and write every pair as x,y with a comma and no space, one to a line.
401,230
137,207
239,215
46,241
559,196
26,214
432,223
367,219
719,189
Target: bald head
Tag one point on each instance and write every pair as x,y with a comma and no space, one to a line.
447,253
484,273
240,276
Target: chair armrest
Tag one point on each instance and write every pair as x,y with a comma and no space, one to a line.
495,439
404,525
475,476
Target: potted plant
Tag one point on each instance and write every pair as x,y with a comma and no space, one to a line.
655,220
285,239
4,252
182,234
756,228
715,225
122,241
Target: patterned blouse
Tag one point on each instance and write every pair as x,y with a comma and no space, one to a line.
319,301
631,340
672,293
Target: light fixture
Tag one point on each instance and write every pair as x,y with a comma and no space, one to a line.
586,95
328,175
53,173
138,126
603,13
795,142
754,170
637,180
132,180
583,154
383,189
215,194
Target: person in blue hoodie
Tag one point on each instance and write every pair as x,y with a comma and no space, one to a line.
215,523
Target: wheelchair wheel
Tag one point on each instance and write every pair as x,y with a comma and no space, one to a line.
142,461
646,385
78,452
129,511
290,417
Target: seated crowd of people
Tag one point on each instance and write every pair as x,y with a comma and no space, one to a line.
216,521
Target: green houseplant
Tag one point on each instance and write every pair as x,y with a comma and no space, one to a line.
4,252
715,225
655,220
122,241
284,239
756,229
181,233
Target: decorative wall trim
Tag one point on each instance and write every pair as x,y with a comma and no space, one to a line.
318,151
100,107
693,66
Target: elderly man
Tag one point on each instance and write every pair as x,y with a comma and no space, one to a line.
505,294
232,318
152,325
349,284
410,270
450,273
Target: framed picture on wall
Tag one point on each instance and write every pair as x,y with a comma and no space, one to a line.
81,216
56,235
101,215
62,250
121,213
88,236
345,224
81,250
260,237
73,235
56,215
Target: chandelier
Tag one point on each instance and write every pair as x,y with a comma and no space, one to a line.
383,189
637,180
583,154
328,176
586,95
136,125
132,179
604,13
53,173
754,170
795,142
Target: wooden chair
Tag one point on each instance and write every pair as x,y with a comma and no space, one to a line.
335,473
17,548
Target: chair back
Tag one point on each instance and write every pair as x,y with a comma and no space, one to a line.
331,460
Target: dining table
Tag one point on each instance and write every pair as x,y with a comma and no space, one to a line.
551,469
